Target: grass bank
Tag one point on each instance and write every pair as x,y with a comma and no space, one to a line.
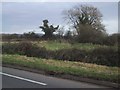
94,71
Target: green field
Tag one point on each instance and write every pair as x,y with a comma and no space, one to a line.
94,71
56,45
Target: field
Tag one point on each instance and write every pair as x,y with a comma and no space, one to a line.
56,45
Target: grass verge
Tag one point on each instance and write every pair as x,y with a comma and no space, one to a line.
93,71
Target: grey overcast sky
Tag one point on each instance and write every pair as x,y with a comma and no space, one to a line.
20,17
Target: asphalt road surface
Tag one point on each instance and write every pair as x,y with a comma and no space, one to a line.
14,78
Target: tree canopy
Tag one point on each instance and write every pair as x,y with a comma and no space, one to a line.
86,20
48,29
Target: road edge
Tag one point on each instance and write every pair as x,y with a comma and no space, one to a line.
65,76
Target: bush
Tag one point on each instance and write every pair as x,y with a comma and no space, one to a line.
89,35
113,39
70,54
104,56
8,48
31,50
26,48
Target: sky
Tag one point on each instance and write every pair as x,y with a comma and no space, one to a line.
20,17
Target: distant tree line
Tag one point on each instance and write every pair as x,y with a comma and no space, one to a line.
19,37
112,39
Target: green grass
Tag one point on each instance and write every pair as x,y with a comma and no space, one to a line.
56,45
53,45
73,68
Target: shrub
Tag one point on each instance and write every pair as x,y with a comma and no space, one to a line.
104,56
70,54
24,48
113,39
31,50
8,48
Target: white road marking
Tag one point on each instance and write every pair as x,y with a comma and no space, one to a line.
21,78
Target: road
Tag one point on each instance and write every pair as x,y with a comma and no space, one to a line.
14,78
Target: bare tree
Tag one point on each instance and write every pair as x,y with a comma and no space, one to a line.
83,16
87,21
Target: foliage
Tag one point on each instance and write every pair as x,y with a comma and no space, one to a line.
86,20
89,35
48,29
113,39
26,48
56,45
70,54
84,15
103,56
9,48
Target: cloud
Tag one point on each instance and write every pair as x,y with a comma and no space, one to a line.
20,17
59,0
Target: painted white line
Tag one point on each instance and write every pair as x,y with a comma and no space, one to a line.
25,79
